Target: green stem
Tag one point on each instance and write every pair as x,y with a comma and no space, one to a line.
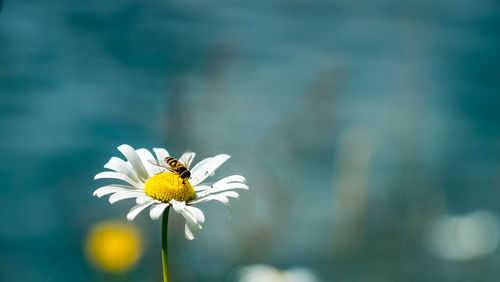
164,245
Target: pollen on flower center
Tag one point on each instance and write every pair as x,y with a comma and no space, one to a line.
166,186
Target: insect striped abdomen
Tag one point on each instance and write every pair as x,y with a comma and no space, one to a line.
178,167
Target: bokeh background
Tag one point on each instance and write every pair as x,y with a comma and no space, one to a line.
368,131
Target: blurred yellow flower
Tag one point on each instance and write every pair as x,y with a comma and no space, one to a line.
113,246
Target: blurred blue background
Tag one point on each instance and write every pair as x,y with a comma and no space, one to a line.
368,131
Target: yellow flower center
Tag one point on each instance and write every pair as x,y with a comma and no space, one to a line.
166,186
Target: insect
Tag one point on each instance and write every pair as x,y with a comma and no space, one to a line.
178,167
175,166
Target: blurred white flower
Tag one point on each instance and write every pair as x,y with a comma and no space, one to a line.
265,273
153,186
465,237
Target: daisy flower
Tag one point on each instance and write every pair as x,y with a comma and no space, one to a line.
158,188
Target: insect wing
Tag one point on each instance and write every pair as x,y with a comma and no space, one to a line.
187,158
163,165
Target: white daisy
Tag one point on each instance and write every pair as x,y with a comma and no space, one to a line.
158,188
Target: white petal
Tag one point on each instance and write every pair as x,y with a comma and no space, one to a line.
157,210
134,160
228,186
227,183
145,198
188,234
124,195
201,164
232,178
201,188
187,158
203,194
145,156
178,206
134,211
192,226
222,197
202,199
191,215
121,166
161,154
190,218
197,213
105,190
119,176
201,172
230,194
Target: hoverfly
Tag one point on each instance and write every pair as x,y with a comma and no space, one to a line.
175,166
